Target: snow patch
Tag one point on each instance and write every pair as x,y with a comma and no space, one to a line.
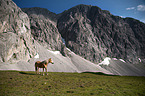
68,49
114,58
122,60
106,61
54,52
37,56
139,59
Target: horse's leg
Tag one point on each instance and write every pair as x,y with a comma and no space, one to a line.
35,70
43,71
46,70
38,71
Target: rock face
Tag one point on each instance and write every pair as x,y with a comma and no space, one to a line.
95,34
88,31
44,28
16,42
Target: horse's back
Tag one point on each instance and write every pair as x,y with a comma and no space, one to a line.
37,63
40,64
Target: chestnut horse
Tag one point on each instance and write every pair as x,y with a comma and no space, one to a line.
43,65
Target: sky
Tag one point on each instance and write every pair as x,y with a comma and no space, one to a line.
124,8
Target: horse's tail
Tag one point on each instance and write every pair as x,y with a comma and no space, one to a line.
36,67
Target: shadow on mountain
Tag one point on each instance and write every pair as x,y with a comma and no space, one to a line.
100,73
27,73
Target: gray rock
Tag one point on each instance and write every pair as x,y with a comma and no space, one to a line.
87,30
44,28
16,42
95,34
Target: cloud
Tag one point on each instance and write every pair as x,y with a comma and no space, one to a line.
141,7
131,8
138,8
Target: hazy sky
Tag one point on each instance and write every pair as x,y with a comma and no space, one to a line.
123,8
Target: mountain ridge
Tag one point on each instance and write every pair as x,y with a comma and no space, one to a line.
88,32
104,27
89,17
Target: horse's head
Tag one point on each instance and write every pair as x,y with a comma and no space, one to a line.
50,61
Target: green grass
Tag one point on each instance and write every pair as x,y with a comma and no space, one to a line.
18,83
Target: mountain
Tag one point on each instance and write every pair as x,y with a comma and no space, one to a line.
96,34
16,42
80,33
39,36
44,28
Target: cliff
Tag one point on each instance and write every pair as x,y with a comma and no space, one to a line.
16,42
95,34
44,28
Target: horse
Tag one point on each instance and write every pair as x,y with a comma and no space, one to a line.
43,65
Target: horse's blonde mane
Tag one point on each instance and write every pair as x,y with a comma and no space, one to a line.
48,60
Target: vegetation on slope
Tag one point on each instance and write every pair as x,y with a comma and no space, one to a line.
18,83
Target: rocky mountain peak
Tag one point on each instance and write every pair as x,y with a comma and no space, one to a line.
95,34
42,12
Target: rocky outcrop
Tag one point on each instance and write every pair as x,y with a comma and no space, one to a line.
44,28
95,34
16,42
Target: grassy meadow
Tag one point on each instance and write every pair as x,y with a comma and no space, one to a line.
20,83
